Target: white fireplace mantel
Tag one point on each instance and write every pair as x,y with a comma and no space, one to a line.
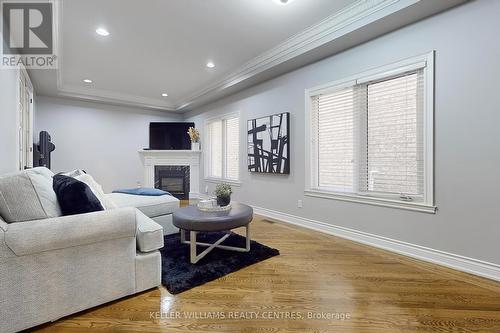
152,158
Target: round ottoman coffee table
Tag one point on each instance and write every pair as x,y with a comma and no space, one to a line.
194,220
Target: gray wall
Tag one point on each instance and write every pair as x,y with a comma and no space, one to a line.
467,139
8,120
101,139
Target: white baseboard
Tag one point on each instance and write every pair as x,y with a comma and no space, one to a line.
469,265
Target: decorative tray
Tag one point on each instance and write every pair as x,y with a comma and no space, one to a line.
214,209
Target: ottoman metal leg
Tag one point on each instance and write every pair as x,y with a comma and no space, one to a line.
194,257
192,245
247,236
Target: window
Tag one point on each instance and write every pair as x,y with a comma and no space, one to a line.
222,160
370,137
215,149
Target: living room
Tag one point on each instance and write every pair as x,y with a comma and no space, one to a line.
241,166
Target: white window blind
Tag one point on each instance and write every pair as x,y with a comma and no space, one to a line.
223,153
336,142
395,151
232,148
215,144
368,138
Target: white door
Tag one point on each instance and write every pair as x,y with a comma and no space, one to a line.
25,122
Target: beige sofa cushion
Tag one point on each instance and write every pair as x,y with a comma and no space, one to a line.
151,206
28,195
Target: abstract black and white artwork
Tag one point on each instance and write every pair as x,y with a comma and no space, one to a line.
269,144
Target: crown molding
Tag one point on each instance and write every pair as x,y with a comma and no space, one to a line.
111,97
354,17
93,94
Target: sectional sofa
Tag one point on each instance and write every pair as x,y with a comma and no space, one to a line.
52,266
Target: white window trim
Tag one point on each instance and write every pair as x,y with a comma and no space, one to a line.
211,179
425,62
214,180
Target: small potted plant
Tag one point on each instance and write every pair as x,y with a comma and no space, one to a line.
223,193
194,135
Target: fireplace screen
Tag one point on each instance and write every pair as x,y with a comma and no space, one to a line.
173,179
172,184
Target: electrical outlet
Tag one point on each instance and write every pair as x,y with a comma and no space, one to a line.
139,184
299,204
206,189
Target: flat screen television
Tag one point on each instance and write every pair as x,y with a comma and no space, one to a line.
169,136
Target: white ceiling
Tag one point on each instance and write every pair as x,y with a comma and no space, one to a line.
158,46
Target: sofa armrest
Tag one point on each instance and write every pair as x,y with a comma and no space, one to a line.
149,234
25,238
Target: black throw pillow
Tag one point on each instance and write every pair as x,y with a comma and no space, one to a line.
74,196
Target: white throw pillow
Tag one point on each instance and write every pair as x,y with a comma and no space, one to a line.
75,173
96,188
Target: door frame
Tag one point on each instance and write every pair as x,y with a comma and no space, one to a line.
25,156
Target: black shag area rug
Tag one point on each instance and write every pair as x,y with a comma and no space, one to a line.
178,274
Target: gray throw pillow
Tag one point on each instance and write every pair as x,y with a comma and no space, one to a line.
28,195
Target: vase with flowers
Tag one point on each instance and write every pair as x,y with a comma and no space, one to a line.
194,135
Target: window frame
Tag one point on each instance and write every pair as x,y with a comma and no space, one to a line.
312,188
207,160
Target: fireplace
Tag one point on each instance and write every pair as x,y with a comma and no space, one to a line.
173,179
155,160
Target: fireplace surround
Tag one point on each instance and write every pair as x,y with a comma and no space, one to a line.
152,159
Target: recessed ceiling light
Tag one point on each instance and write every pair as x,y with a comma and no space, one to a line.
164,95
210,64
102,32
87,80
283,2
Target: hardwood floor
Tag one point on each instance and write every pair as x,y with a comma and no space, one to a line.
372,290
